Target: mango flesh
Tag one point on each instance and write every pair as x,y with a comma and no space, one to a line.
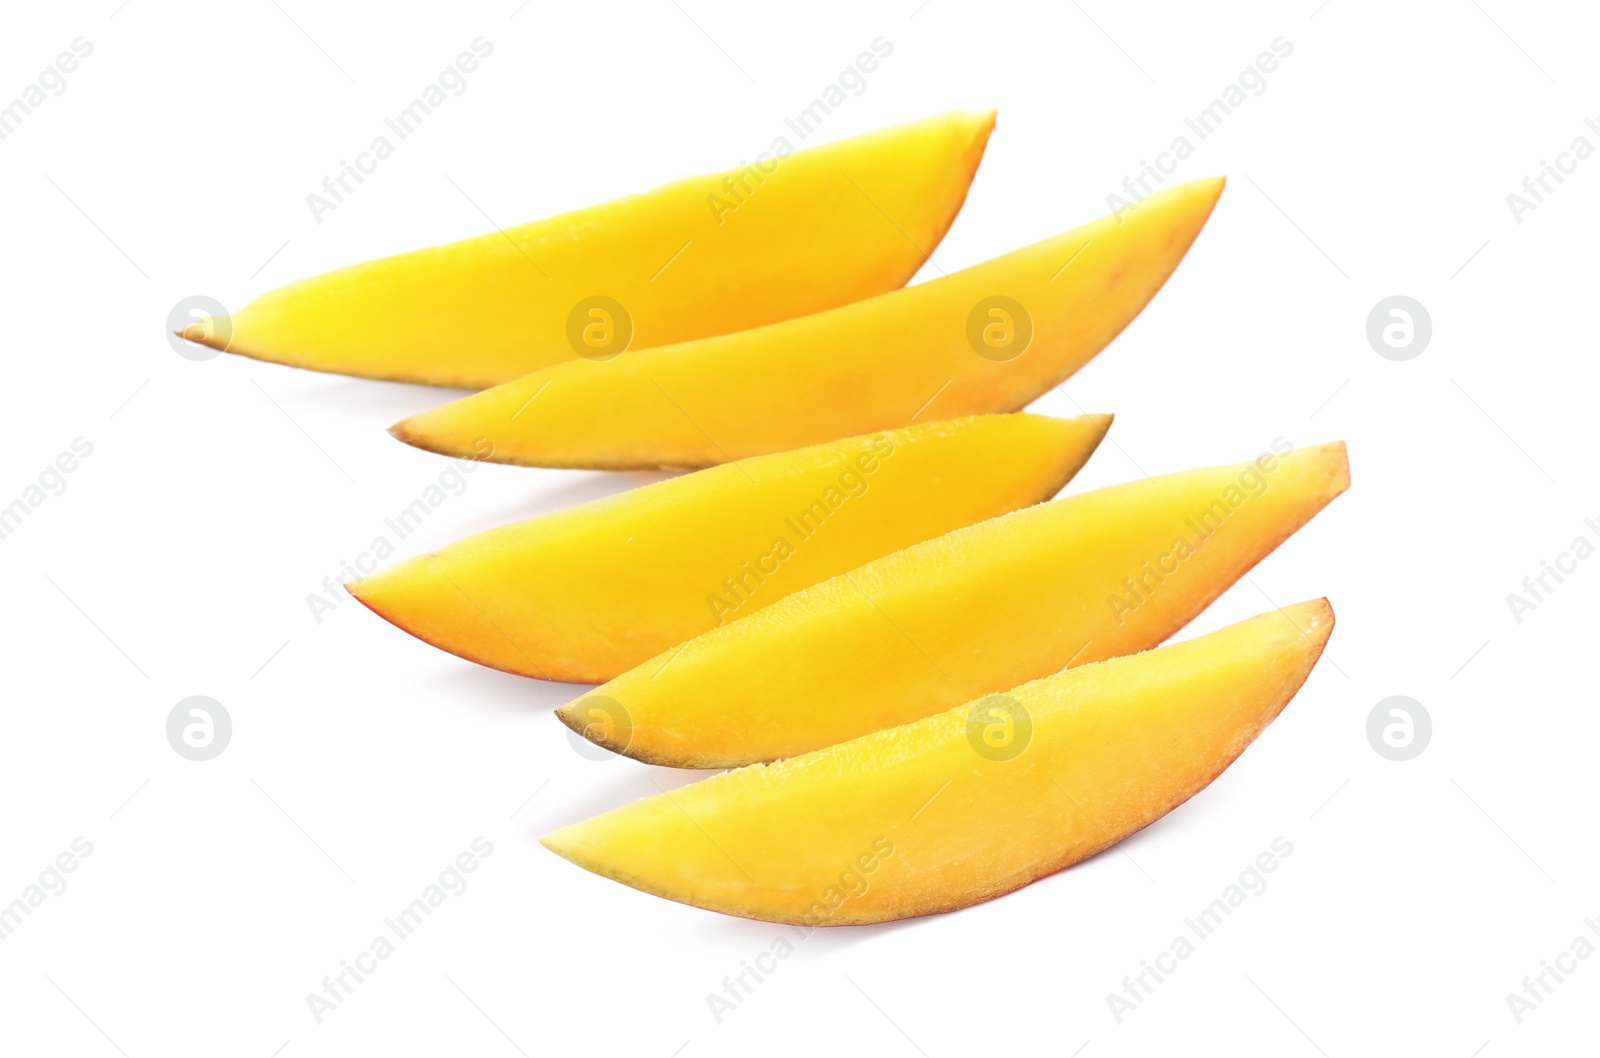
587,593
968,804
972,612
991,338
706,255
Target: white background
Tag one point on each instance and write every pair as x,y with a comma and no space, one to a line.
220,494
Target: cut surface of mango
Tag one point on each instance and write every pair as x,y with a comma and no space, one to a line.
975,611
991,338
968,804
777,238
587,593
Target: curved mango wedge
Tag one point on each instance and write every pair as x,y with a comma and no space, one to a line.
988,339
969,804
589,592
1080,579
778,238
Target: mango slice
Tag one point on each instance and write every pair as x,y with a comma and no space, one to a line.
991,338
975,611
971,803
777,238
587,593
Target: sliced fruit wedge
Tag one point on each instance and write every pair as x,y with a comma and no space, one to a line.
988,339
780,237
969,804
972,612
589,592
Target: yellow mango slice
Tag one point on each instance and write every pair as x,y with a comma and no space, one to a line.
991,338
587,593
780,237
971,803
977,610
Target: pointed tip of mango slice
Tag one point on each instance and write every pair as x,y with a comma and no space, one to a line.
1197,197
566,844
368,591
981,121
1335,456
1208,186
562,844
203,332
1314,620
1342,452
413,430
402,430
581,725
569,715
371,592
1094,427
587,844
1318,614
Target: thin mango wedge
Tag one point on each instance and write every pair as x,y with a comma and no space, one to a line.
587,593
969,804
778,238
973,612
991,338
